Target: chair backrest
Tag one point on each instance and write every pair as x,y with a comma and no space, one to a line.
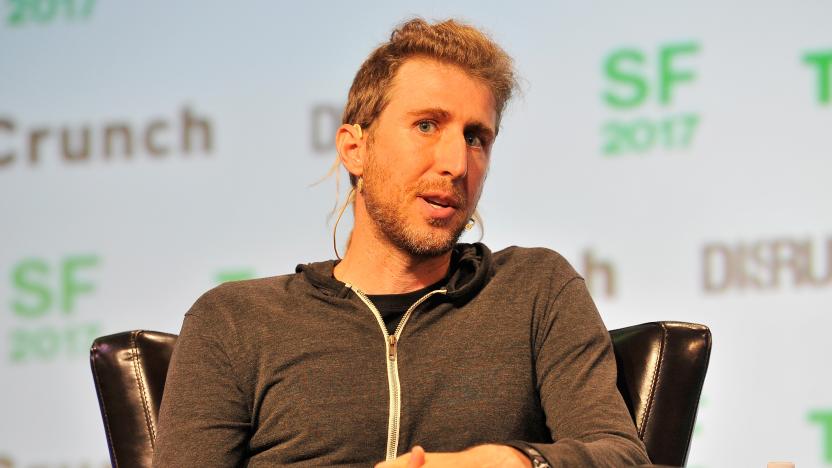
129,370
661,368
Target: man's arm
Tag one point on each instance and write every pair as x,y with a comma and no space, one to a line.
576,376
204,419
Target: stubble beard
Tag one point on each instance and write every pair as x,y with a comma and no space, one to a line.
389,215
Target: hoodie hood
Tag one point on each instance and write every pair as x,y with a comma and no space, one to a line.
468,272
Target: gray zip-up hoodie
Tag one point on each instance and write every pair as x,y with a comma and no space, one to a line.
299,370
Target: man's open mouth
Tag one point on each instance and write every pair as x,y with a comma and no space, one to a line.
439,203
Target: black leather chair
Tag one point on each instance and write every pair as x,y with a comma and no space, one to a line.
129,370
661,368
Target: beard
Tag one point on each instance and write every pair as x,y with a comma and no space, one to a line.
389,213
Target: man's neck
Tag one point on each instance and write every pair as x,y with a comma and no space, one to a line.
376,266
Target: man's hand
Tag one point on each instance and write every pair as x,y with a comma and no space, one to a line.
479,456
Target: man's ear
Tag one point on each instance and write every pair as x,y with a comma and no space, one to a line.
349,142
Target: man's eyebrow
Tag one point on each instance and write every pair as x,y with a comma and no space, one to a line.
436,112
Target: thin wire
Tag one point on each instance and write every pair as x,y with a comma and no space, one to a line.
349,200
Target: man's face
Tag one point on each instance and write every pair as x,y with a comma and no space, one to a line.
428,155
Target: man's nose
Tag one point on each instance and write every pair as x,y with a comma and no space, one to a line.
452,156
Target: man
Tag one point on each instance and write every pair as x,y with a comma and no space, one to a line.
413,349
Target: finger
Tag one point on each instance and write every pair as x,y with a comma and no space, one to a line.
399,462
417,457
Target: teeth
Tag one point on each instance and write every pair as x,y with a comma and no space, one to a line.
435,203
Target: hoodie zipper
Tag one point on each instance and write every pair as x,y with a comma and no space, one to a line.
391,343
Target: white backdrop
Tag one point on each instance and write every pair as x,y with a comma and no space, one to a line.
676,152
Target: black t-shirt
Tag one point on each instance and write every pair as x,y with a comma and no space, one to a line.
393,306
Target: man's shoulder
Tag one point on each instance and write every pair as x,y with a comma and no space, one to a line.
533,258
528,266
243,294
249,288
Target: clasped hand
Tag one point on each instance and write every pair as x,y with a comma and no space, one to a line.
479,456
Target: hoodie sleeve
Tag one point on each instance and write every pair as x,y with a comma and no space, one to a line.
576,374
204,419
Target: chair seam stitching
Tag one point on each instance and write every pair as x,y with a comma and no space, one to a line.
106,419
142,390
655,380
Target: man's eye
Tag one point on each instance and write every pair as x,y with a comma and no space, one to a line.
426,126
473,140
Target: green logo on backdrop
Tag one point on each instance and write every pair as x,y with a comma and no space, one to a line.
824,418
636,78
21,12
45,299
238,274
821,62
